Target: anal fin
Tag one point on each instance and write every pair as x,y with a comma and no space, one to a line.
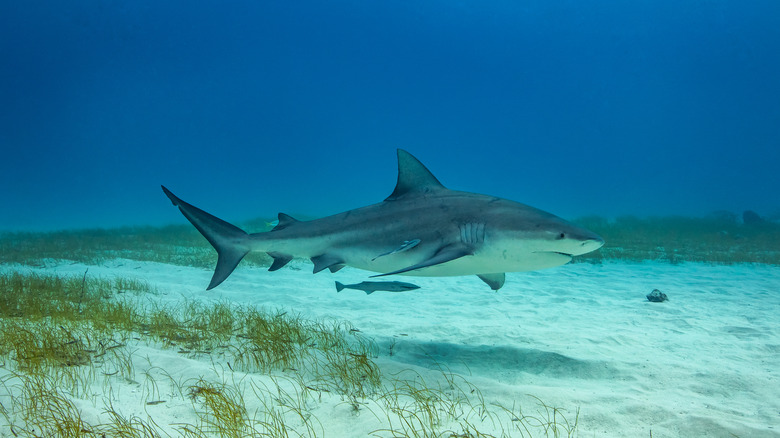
443,255
279,260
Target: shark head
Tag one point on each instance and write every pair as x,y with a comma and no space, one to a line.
557,235
534,239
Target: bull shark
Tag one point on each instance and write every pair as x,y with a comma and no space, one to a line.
421,229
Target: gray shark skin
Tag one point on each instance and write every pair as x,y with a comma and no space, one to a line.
370,287
421,229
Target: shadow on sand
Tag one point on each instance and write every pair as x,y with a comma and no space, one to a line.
499,358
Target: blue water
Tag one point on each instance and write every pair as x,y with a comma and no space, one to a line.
247,108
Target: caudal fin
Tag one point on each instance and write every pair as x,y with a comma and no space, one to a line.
229,240
339,287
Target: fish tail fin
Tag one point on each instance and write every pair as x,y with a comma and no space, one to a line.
230,241
339,287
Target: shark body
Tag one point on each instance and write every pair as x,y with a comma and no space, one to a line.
421,229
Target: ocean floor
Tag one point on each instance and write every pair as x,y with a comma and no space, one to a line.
582,338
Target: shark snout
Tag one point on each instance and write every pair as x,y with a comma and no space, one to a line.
573,242
592,244
588,243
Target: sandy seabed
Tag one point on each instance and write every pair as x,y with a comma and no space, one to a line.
706,363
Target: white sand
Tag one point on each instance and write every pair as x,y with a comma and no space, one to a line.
705,363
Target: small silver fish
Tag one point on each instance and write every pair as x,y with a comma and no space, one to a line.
370,287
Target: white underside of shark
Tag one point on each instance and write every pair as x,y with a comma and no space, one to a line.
421,229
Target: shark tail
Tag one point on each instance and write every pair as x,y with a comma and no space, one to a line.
230,241
339,287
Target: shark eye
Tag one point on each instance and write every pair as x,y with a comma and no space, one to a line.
561,236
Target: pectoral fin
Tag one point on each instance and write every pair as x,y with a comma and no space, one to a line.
495,281
444,255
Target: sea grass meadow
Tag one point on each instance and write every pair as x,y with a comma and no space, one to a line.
61,337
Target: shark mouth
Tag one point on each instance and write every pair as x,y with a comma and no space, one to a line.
554,252
555,255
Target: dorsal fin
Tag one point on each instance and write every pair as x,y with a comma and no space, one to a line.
285,220
413,177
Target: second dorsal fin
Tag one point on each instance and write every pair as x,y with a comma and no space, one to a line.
285,220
